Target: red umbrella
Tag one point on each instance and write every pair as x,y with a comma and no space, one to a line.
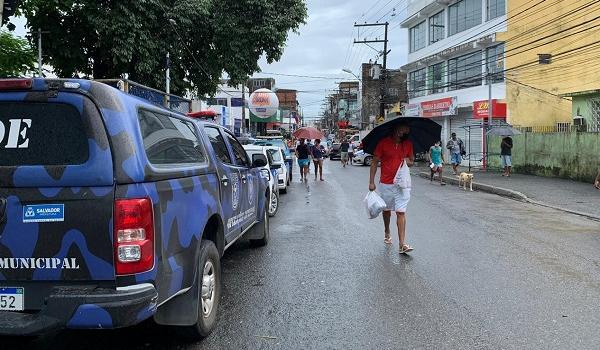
308,133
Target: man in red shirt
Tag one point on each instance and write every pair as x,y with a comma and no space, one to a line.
392,152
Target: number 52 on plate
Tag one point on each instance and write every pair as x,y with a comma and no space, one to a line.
11,298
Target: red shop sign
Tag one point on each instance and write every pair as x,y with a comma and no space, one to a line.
481,108
439,108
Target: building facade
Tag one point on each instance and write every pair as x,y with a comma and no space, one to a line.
348,107
289,109
395,90
229,103
551,59
456,53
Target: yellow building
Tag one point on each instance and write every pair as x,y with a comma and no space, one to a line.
552,53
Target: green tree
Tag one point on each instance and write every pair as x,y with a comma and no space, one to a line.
17,58
205,38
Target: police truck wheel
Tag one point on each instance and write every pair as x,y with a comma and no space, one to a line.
209,291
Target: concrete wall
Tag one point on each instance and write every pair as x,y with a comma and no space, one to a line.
566,155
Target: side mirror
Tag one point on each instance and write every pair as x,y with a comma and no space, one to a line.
259,160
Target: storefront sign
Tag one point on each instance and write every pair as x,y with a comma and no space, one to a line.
481,109
412,110
439,108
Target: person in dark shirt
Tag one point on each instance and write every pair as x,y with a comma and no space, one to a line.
317,155
302,152
344,152
597,182
506,155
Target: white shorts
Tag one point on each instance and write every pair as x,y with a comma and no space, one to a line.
395,198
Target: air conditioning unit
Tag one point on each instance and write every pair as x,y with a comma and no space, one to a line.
580,123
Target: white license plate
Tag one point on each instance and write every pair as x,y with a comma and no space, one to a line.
11,298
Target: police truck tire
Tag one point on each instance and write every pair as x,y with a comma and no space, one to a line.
209,291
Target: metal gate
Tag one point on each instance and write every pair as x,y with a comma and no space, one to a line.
594,105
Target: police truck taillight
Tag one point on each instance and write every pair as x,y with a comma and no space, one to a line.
133,236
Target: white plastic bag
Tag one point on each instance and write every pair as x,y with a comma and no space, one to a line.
374,204
402,178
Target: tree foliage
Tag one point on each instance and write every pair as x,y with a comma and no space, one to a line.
106,38
17,58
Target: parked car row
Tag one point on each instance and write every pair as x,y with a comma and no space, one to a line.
114,210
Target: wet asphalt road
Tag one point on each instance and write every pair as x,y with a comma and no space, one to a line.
486,273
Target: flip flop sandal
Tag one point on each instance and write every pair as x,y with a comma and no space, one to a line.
405,249
387,240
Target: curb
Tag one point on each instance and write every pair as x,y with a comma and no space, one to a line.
504,192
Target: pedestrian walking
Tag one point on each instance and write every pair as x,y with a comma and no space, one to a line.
597,182
393,151
310,147
351,153
436,157
317,156
457,150
506,154
302,152
344,147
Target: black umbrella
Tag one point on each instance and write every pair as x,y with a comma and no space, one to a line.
424,133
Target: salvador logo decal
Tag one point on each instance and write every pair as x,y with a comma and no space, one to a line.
44,213
235,192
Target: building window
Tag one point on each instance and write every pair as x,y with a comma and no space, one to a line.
436,75
237,102
495,8
464,71
217,102
417,37
495,63
436,27
417,83
463,15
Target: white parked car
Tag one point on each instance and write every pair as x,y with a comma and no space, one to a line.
273,204
283,174
362,158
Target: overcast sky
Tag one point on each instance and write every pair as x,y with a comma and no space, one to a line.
324,47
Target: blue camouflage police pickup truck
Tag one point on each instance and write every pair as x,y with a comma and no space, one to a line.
113,210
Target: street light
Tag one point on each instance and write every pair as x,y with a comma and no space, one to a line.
346,70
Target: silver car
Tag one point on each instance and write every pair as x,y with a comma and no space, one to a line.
362,158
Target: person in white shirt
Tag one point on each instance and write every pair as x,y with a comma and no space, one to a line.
351,152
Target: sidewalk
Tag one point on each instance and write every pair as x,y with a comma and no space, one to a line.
577,197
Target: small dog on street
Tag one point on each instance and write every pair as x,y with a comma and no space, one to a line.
465,178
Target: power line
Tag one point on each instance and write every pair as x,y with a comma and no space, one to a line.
302,76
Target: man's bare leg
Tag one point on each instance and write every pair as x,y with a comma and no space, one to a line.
401,223
386,223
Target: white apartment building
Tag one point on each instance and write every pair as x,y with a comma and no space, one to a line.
228,104
453,53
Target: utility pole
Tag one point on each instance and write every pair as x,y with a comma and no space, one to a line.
243,127
40,63
490,119
384,54
168,79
